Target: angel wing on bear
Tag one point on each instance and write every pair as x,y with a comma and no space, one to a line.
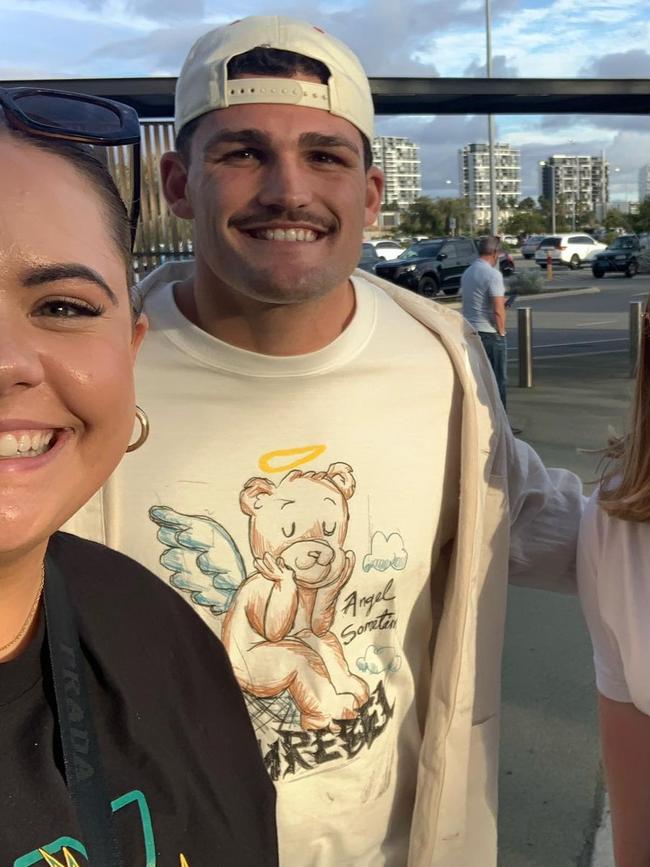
201,556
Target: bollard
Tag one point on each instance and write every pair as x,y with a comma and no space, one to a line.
525,338
636,331
549,266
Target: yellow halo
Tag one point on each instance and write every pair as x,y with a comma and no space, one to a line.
272,462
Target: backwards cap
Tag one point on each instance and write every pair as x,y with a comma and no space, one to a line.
203,84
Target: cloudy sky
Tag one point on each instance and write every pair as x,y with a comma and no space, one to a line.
531,38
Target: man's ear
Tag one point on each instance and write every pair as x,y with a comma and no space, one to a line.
173,176
374,192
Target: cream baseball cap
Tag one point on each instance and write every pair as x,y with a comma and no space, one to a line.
203,84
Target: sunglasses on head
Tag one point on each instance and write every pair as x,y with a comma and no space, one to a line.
77,117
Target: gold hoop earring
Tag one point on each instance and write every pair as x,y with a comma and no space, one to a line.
142,417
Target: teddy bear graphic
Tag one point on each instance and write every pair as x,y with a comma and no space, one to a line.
278,629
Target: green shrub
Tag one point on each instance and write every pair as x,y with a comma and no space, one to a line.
527,282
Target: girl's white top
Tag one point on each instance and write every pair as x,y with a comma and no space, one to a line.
614,587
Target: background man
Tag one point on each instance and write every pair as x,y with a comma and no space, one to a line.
290,489
484,307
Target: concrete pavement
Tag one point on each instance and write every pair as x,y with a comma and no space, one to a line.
551,783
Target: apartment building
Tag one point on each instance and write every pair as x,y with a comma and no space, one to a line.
644,182
578,183
474,179
399,159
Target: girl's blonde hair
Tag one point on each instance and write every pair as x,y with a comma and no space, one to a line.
625,484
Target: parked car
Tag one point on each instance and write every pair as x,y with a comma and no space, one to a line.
387,248
369,257
620,257
511,240
571,250
431,267
530,245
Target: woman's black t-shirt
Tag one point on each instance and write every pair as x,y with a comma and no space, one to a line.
184,773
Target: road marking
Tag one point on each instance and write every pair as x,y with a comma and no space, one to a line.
588,324
541,358
603,854
579,343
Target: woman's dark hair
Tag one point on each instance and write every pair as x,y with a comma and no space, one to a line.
267,61
82,158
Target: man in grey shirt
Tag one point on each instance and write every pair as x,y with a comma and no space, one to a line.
484,306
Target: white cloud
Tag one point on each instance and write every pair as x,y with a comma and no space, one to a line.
634,63
110,13
531,38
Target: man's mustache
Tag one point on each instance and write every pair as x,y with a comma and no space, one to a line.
299,217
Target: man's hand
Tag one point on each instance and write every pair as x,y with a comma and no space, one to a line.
499,307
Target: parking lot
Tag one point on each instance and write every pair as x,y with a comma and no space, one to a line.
591,318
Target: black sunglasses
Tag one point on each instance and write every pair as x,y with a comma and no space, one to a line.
77,117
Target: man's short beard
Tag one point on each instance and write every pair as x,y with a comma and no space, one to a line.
265,285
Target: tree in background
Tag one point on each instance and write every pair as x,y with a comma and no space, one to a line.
528,219
527,204
640,221
427,216
616,219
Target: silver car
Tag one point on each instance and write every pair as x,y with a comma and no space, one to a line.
530,245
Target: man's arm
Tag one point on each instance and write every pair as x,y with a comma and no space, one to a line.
545,510
545,505
625,735
499,308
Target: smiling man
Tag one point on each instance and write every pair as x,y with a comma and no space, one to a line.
330,478
279,197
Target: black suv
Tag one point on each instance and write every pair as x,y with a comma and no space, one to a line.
620,257
431,267
369,257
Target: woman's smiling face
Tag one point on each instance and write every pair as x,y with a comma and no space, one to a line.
67,344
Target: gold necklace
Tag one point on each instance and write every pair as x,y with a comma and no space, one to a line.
30,614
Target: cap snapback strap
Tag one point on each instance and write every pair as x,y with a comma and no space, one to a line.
288,91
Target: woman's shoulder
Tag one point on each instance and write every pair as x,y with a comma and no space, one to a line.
86,561
611,548
108,584
596,521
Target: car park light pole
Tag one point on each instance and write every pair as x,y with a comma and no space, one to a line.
494,215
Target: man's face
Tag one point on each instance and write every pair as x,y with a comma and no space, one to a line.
279,196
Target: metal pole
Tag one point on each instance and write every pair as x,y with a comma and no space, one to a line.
575,182
636,332
494,214
525,339
602,185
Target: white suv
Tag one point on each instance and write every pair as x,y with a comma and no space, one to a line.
388,249
571,250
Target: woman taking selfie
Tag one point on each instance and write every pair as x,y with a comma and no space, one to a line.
123,735
614,583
